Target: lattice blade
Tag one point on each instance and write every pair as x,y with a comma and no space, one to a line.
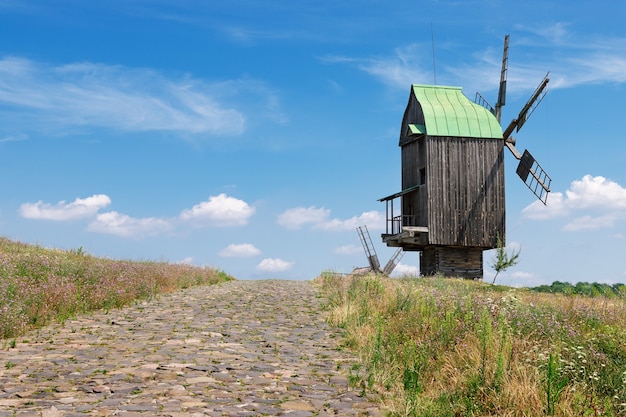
368,247
393,261
533,102
535,178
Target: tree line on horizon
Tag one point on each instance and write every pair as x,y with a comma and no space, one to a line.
590,289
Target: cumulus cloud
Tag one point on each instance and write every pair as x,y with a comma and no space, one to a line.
240,250
221,210
402,270
295,218
319,218
62,211
598,201
119,224
274,265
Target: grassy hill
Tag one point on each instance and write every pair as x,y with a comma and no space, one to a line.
448,347
38,285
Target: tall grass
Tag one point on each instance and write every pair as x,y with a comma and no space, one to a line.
445,347
38,285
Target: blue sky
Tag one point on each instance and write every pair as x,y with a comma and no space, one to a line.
255,136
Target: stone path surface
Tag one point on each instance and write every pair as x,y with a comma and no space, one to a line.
242,348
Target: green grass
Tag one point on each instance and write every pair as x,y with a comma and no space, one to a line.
447,347
39,285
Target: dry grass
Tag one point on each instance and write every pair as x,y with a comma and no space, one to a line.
38,285
445,347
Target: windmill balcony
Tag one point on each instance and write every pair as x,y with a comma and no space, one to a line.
396,223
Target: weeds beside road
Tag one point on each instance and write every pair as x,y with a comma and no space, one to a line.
39,285
447,347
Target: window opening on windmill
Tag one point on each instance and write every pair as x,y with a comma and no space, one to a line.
422,178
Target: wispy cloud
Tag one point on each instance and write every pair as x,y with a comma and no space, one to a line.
127,99
319,218
572,60
399,69
596,202
348,250
14,138
119,224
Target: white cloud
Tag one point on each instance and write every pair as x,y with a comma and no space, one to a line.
318,218
601,202
186,261
590,223
596,192
116,97
402,270
373,219
241,250
555,207
348,250
295,218
118,224
221,210
274,265
79,208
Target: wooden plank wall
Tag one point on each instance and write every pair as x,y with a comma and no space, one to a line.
465,191
452,262
415,203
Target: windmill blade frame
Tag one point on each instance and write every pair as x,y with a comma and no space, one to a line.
529,107
533,175
503,76
368,247
393,261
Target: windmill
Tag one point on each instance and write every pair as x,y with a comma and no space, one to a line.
372,257
452,197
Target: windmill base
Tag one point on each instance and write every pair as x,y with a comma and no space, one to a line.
452,262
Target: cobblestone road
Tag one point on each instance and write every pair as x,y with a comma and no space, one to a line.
242,348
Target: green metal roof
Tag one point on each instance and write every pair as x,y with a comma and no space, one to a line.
447,112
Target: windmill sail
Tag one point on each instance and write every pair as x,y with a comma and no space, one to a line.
535,178
393,262
529,170
529,108
502,90
370,252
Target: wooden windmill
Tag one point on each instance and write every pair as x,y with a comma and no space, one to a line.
452,200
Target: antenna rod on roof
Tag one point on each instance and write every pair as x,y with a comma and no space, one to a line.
432,37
